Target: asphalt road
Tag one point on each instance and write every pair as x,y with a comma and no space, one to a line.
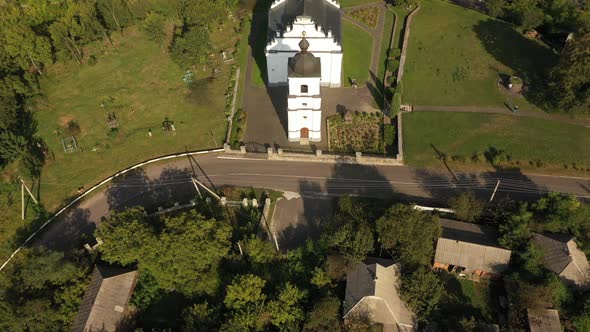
314,182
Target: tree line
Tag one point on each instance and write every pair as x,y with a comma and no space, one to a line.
37,33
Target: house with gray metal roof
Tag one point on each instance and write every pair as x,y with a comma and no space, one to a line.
470,249
105,300
562,256
372,291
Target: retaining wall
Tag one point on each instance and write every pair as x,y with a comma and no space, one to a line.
402,60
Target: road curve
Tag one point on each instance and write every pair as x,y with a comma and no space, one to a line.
170,182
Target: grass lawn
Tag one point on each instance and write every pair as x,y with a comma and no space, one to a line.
357,46
524,139
362,133
259,65
352,3
465,298
456,56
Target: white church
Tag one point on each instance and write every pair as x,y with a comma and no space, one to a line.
304,51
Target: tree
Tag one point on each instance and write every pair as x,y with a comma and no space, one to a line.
125,236
466,206
199,317
320,278
153,25
286,312
114,13
192,48
187,253
348,232
570,79
409,233
516,230
422,290
259,251
496,7
324,316
44,269
24,45
245,291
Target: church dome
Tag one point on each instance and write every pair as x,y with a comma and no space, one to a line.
304,64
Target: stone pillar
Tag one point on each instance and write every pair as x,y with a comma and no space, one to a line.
270,151
280,152
242,149
244,202
226,147
223,201
318,153
359,155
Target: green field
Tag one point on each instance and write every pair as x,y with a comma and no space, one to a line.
456,56
357,46
525,139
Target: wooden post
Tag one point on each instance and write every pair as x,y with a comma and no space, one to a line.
22,197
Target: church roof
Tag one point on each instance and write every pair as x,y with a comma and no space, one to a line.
304,64
322,12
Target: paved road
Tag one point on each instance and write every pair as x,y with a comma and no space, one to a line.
169,182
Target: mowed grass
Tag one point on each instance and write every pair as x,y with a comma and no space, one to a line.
142,86
524,139
357,46
456,56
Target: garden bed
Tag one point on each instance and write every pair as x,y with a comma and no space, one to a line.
362,133
368,16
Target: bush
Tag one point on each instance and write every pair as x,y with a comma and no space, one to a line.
389,134
391,80
73,128
92,60
395,53
392,64
396,105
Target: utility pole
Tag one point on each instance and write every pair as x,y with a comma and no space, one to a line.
23,186
495,189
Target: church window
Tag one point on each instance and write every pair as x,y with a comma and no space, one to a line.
304,88
304,104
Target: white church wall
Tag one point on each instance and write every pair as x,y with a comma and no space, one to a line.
313,86
310,119
304,102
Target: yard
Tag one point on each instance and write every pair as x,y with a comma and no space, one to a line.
456,56
360,132
466,299
357,46
531,143
352,3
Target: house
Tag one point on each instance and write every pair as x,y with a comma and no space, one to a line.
105,300
372,292
544,320
470,249
562,256
304,113
287,21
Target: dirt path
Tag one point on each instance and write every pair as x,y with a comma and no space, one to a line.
504,110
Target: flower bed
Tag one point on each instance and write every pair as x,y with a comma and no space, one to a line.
362,133
368,16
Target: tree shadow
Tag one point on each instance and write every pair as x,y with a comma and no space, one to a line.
68,232
376,88
514,184
136,189
527,58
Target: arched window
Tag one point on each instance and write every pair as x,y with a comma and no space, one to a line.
304,88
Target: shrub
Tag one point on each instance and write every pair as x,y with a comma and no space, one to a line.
389,134
396,104
92,60
392,64
391,80
395,53
73,128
